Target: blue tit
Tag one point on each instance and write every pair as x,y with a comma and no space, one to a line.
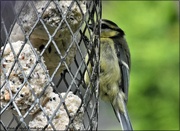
115,64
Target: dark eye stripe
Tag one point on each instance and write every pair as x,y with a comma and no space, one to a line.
105,26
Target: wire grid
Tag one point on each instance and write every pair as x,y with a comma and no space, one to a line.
70,79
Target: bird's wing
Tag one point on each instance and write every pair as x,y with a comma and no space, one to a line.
123,55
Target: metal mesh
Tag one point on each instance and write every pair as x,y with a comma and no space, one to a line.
44,49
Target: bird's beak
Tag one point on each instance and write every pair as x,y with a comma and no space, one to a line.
90,26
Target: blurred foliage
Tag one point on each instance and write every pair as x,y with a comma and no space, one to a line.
152,32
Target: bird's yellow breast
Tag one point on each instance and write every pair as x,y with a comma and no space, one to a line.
109,70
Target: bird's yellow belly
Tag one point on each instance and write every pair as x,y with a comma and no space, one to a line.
109,71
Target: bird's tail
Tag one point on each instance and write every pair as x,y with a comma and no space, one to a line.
121,112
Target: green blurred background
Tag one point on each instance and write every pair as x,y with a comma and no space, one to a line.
152,32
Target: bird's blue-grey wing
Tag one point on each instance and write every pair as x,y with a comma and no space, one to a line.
123,55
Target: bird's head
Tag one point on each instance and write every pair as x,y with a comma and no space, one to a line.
108,29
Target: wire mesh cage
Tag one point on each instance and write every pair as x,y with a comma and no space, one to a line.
46,48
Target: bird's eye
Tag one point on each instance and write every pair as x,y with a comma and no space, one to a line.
104,26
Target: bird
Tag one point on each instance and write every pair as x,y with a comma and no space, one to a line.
115,64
